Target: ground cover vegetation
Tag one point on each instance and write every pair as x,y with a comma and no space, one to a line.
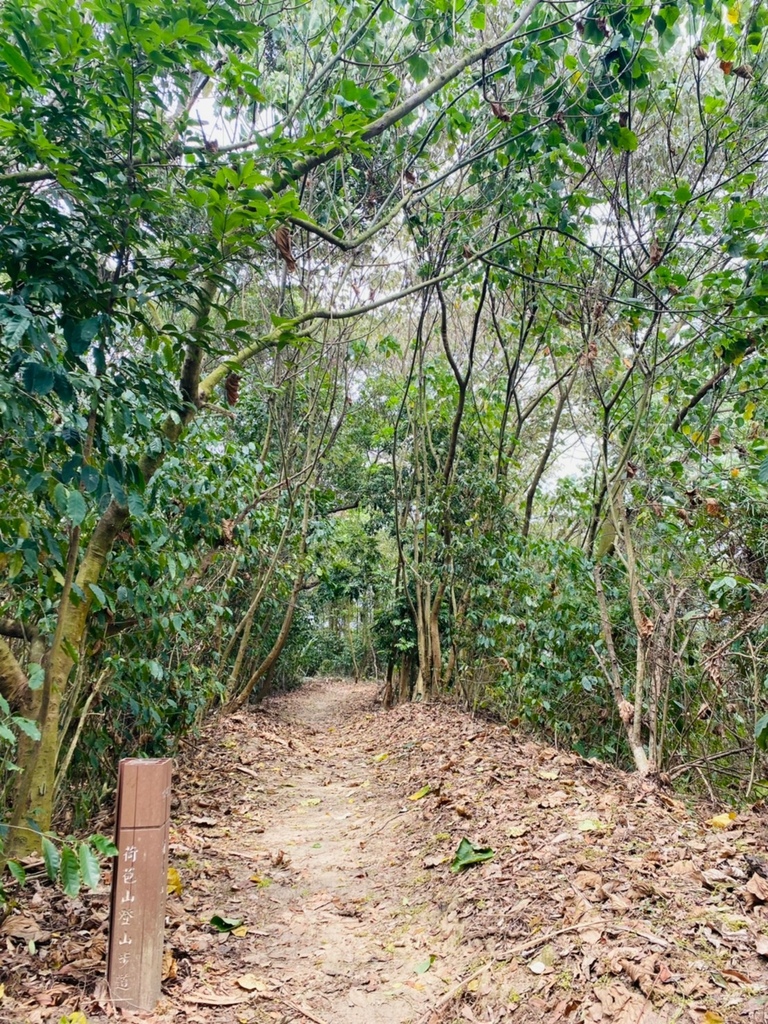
416,340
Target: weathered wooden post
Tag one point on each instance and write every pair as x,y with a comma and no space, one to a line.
139,883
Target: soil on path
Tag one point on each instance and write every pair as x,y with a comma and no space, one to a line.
328,826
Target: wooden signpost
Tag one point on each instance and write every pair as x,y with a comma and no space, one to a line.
139,881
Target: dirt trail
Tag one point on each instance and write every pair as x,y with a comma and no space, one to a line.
327,827
336,928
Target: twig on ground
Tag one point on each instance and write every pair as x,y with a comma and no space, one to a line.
403,810
303,1010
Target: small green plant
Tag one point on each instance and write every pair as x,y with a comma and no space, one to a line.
69,862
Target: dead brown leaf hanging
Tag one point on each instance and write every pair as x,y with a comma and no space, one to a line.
232,388
744,71
700,53
726,66
499,111
657,253
283,243
645,626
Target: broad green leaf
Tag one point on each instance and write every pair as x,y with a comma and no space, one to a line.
35,676
627,140
69,871
76,508
17,871
418,68
226,924
38,379
89,866
51,858
27,726
425,965
103,845
19,64
468,853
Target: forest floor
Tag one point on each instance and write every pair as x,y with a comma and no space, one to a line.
309,819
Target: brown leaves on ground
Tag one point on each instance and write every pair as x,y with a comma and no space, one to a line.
606,901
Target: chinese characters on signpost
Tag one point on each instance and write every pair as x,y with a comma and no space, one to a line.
134,970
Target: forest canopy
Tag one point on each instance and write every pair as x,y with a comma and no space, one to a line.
414,340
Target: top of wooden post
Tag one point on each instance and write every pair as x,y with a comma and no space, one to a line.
145,806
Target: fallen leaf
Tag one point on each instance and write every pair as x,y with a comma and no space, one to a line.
723,820
762,945
556,799
378,758
251,983
425,965
240,932
542,964
737,976
175,885
590,825
434,860
758,886
20,926
515,831
421,793
549,773
226,924
468,853
588,880
170,966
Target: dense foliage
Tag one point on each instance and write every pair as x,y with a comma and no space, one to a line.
415,340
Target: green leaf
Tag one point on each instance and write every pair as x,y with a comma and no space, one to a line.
80,334
98,593
225,924
477,19
51,858
762,472
425,965
421,793
103,845
17,871
468,853
626,140
761,732
27,726
61,498
69,871
89,866
35,676
7,735
418,68
38,378
18,64
76,507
